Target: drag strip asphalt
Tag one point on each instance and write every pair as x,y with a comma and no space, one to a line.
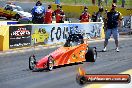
14,72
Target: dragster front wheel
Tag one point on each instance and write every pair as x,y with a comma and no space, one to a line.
32,62
50,63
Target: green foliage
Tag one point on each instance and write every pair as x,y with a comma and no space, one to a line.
89,2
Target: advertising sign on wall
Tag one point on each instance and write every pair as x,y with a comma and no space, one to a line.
19,36
39,35
56,33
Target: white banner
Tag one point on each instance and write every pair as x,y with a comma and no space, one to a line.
57,33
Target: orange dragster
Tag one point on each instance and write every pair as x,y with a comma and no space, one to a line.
74,50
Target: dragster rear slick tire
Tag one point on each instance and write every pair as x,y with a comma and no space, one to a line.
91,54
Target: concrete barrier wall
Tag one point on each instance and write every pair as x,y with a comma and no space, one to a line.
18,36
4,38
8,22
1,42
